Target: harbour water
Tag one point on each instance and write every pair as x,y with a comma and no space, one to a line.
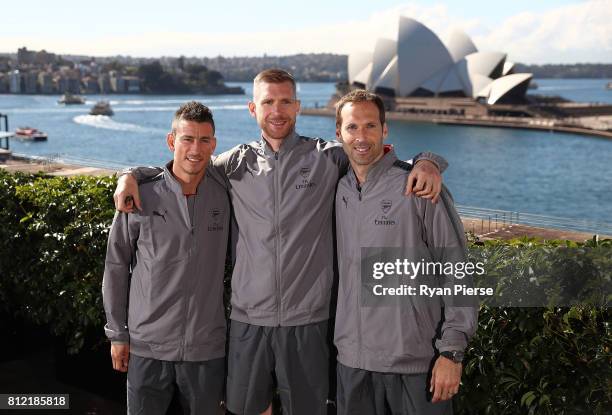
527,171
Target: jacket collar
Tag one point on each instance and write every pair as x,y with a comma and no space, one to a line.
288,143
377,170
175,186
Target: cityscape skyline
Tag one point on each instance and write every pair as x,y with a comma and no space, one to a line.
561,31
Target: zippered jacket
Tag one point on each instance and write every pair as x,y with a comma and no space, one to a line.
283,208
163,276
401,336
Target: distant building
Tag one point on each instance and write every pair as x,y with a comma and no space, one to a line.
30,57
4,84
90,85
30,82
117,82
15,82
44,58
25,56
45,83
65,84
132,84
61,84
104,84
418,64
4,64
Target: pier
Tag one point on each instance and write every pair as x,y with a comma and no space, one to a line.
589,124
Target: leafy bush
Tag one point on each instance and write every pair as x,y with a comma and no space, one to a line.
522,360
53,246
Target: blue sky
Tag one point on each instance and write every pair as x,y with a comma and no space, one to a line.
530,31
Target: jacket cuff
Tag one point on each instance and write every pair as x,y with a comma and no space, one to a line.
452,340
127,170
115,336
439,161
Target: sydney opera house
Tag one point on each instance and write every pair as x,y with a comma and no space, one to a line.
421,78
418,64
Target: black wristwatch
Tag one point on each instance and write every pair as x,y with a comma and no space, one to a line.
455,355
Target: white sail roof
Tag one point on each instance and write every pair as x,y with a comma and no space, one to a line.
364,76
507,84
357,61
384,51
420,54
508,68
460,45
486,63
389,78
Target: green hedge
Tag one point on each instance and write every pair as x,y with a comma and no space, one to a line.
553,360
52,248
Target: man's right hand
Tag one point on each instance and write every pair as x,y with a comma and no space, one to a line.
126,194
120,355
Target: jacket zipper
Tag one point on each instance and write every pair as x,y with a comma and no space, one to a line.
191,225
358,222
277,256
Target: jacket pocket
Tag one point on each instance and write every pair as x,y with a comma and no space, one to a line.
159,237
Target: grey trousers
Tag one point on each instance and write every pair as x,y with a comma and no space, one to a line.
151,384
362,392
296,356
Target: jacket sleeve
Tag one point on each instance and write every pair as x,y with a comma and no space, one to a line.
223,165
446,240
142,173
433,157
115,283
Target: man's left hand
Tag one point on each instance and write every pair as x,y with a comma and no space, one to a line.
445,379
425,180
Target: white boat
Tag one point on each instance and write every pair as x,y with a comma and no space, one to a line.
69,99
101,108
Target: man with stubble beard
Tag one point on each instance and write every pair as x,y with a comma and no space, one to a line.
163,278
282,190
399,354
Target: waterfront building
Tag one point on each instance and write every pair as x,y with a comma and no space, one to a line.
117,82
45,83
4,84
417,63
15,82
132,84
104,84
30,82
4,64
68,84
90,85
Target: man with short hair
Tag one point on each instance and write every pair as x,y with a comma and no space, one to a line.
163,278
282,190
386,347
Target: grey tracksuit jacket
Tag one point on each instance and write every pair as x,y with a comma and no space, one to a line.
163,276
283,206
394,338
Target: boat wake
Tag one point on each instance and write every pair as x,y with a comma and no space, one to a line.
106,122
